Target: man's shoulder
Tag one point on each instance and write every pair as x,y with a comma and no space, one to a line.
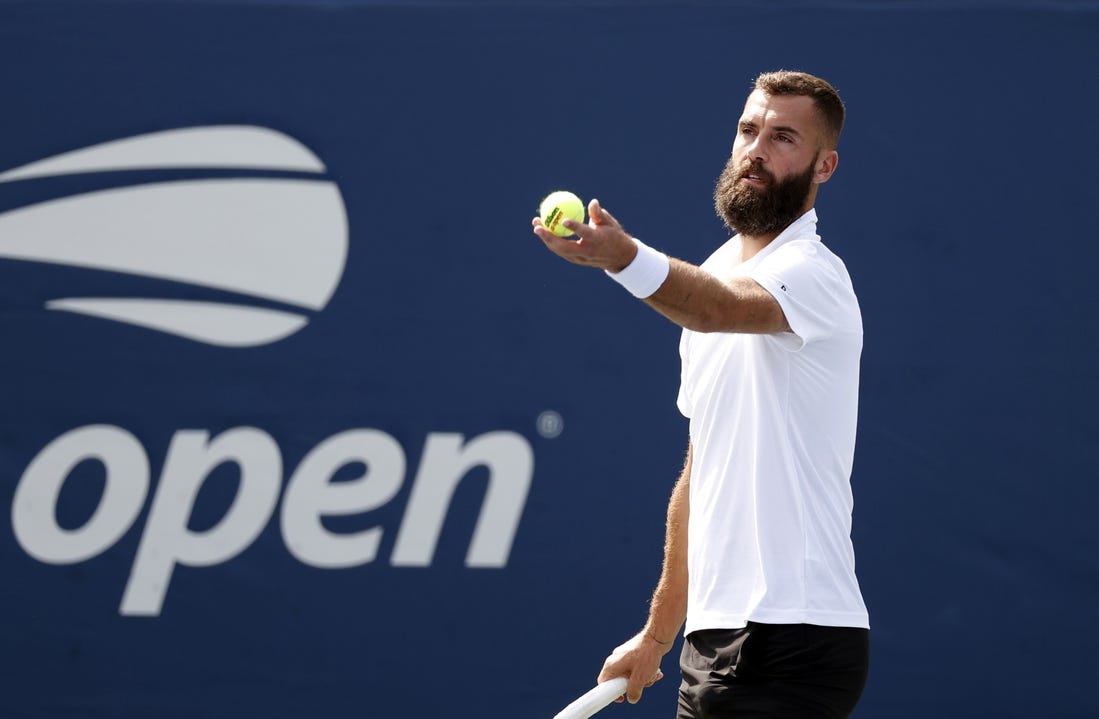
808,250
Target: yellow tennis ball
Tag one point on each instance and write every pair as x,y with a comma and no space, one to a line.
559,206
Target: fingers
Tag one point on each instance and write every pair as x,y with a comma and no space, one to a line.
571,224
559,246
571,249
595,211
635,688
609,219
599,216
636,685
544,232
599,243
597,222
608,673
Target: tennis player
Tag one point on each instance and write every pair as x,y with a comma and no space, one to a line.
759,568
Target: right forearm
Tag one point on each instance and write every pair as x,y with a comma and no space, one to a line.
639,657
668,608
696,300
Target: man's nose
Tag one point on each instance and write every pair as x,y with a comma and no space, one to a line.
754,150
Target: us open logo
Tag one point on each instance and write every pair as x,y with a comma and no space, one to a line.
277,244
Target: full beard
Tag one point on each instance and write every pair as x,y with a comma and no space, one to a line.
759,211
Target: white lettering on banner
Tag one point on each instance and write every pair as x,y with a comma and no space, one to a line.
310,495
33,509
444,463
167,540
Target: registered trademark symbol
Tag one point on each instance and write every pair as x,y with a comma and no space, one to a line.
550,424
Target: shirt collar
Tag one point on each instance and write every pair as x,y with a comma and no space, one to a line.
803,228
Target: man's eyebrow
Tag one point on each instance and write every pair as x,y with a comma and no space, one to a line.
787,129
745,122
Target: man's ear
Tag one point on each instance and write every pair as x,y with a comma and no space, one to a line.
826,165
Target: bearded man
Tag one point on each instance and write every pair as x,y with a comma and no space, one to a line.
759,568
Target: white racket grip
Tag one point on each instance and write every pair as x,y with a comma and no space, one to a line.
594,700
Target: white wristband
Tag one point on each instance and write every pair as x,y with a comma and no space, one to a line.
644,275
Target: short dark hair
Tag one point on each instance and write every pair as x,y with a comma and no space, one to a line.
825,98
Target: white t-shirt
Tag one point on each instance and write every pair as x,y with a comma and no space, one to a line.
772,425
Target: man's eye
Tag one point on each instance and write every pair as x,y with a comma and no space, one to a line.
785,138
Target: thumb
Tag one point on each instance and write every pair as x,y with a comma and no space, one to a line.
634,688
595,212
599,216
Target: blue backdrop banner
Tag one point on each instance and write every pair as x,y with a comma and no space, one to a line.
300,419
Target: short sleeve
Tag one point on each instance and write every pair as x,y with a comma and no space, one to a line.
813,289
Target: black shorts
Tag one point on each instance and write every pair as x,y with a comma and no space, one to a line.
773,671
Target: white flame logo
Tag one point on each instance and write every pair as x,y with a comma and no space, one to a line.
280,239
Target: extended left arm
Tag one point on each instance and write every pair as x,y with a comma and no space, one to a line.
689,296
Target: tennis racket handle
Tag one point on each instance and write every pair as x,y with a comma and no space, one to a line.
594,700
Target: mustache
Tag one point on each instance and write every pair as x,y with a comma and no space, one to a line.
751,167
